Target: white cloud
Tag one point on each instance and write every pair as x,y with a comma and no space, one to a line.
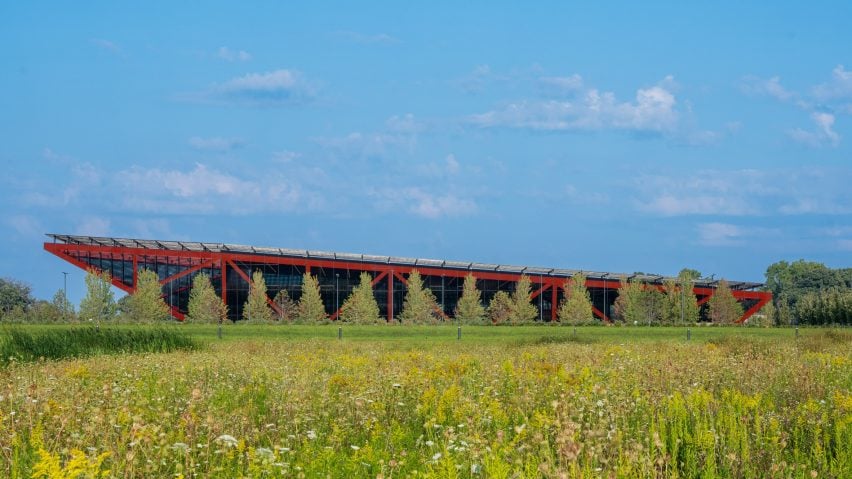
426,204
452,164
798,191
719,234
475,81
838,88
560,86
26,225
227,54
726,234
404,124
276,88
106,45
672,205
771,87
204,190
93,226
824,135
367,144
215,143
653,110
844,244
377,38
286,156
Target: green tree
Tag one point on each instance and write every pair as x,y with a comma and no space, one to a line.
257,305
628,304
469,309
311,307
61,303
99,302
205,306
577,306
419,305
44,312
14,293
639,304
723,307
500,308
523,311
790,282
288,310
361,306
680,304
146,303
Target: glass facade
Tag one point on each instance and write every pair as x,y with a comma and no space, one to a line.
178,263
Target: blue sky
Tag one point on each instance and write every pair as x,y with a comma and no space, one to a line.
618,137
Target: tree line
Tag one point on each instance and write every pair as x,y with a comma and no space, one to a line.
808,293
637,303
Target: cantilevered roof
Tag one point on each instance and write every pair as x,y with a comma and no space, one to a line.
367,258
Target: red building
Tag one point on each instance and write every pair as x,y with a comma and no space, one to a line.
231,266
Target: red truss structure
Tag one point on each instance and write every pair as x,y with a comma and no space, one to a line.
231,267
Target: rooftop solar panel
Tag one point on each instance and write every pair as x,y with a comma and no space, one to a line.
354,257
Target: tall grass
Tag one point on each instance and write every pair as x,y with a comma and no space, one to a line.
22,345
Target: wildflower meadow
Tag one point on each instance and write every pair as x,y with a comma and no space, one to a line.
534,402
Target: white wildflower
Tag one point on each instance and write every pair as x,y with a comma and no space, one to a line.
227,440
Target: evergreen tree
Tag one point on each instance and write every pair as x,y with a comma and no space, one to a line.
723,308
469,309
257,307
577,306
311,307
146,303
523,311
361,306
288,310
99,302
419,305
204,305
500,308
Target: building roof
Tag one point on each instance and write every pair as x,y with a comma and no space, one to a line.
368,258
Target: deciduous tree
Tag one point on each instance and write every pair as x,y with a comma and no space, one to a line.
469,309
361,306
99,302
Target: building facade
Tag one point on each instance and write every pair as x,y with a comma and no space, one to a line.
231,266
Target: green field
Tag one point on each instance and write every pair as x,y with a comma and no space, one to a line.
393,401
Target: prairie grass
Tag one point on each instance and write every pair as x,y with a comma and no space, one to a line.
19,344
380,405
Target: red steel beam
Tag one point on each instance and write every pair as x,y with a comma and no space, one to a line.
390,297
248,280
64,250
554,288
761,303
206,264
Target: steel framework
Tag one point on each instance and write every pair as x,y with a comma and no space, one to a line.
231,266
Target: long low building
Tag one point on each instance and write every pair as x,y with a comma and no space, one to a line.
231,266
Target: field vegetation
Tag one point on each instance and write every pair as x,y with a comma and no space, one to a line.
413,401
